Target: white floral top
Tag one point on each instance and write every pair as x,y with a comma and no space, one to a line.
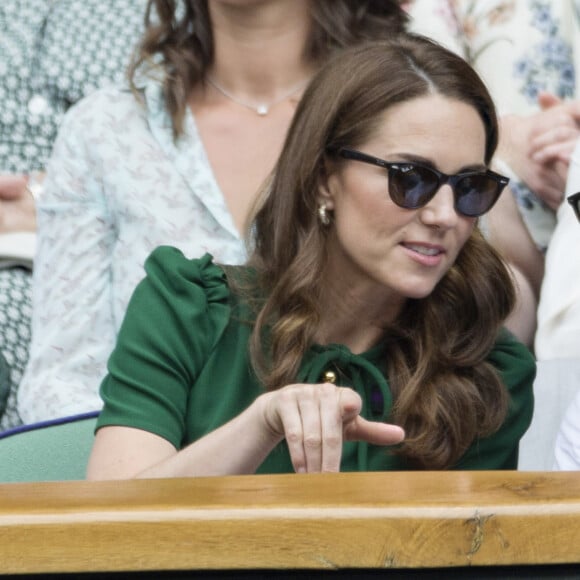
117,187
519,47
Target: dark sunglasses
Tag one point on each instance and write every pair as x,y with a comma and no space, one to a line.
574,201
412,185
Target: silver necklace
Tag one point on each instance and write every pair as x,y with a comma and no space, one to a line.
261,109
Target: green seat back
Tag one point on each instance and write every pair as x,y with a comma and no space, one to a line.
50,451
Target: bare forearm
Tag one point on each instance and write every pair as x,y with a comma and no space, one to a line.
314,419
238,447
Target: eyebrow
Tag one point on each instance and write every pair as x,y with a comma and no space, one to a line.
414,158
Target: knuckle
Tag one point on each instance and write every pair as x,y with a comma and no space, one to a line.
287,394
352,395
312,441
293,436
327,390
333,441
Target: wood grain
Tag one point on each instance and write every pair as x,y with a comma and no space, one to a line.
326,521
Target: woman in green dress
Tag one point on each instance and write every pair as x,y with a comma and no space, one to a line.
366,330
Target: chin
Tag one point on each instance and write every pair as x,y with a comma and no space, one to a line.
418,292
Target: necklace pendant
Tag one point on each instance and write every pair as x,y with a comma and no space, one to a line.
262,110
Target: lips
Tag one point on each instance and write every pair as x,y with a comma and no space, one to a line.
425,250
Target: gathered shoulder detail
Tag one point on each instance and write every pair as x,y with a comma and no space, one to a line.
182,274
175,320
196,291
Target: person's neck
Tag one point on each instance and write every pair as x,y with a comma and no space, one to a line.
259,50
354,315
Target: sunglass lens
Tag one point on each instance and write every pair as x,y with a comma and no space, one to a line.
412,187
476,194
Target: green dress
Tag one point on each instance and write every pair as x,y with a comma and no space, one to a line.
181,369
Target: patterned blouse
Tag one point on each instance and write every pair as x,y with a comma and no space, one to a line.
118,186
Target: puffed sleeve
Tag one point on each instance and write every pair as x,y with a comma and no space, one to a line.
517,368
174,319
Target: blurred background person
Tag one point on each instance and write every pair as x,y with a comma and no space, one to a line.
559,309
52,53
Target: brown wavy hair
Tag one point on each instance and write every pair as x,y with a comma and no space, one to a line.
445,392
178,38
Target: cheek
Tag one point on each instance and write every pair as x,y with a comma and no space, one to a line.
367,215
364,199
468,225
464,229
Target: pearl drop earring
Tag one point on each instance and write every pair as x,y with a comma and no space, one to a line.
323,215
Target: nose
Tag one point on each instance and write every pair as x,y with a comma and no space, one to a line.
440,210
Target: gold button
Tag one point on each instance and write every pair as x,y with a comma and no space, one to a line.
329,377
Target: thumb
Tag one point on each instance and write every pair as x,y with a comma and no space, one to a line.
373,432
547,100
357,428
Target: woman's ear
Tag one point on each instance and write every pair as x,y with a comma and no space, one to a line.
327,184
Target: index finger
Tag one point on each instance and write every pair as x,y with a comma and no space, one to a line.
373,432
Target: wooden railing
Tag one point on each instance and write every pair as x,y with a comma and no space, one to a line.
309,522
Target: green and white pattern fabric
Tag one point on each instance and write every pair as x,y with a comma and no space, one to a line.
52,53
15,307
